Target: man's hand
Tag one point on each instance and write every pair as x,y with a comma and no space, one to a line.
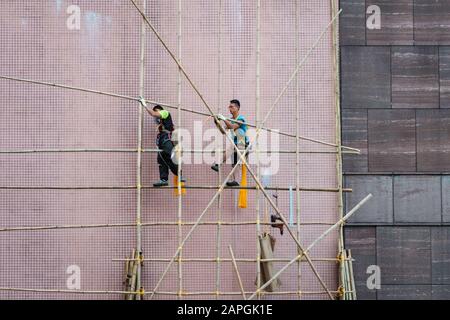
221,117
142,101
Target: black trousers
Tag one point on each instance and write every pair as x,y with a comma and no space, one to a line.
164,160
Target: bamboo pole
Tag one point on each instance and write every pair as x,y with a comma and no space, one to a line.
258,105
237,272
61,86
304,252
138,264
219,177
66,291
158,150
213,260
179,192
166,187
297,145
352,277
148,224
335,47
157,293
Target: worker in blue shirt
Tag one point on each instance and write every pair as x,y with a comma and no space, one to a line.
239,129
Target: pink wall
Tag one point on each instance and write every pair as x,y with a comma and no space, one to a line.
104,55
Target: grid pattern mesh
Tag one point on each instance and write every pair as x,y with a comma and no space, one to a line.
218,50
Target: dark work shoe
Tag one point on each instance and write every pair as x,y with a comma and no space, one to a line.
232,184
215,167
161,183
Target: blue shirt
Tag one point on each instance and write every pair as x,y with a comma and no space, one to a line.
242,127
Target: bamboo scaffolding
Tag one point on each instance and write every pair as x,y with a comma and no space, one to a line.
243,160
220,188
304,252
162,104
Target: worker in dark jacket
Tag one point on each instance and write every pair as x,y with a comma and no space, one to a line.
164,143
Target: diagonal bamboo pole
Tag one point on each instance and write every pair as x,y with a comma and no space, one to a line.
304,253
237,272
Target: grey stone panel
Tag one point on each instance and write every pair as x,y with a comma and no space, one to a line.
392,140
433,140
415,80
379,209
366,77
404,255
417,199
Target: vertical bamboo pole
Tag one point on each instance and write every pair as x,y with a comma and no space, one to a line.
139,159
297,140
220,199
258,173
179,193
335,46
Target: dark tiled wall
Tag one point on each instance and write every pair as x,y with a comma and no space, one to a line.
395,98
414,261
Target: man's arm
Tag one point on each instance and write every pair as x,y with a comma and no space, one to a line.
153,113
230,125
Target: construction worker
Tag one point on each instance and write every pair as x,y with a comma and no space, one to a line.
164,142
239,131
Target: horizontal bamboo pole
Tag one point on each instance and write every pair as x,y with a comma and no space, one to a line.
167,187
147,224
61,86
124,150
112,292
215,260
65,291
